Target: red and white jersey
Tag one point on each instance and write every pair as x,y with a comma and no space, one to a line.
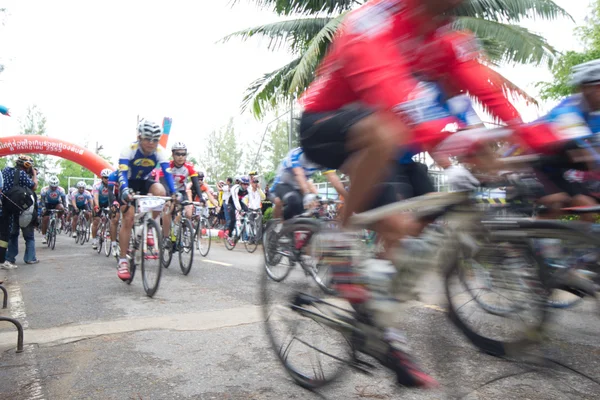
181,174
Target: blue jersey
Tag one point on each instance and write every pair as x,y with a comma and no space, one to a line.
572,119
133,164
101,190
294,159
459,107
53,196
81,199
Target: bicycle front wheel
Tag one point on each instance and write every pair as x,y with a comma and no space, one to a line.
100,237
107,241
87,230
185,242
52,241
203,237
151,256
251,242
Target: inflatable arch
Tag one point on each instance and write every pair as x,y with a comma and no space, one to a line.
23,144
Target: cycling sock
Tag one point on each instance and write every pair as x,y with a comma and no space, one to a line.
121,260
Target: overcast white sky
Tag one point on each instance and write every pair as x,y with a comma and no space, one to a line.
93,66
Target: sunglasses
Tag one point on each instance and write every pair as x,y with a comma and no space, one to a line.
200,177
180,154
151,140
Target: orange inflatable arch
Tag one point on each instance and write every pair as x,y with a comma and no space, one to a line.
23,144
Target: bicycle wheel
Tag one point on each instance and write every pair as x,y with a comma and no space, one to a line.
203,237
234,237
48,238
151,256
276,270
87,230
251,242
185,244
52,241
310,339
100,236
107,241
521,321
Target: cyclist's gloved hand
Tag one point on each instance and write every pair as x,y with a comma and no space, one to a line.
96,209
116,204
126,196
460,179
178,197
309,199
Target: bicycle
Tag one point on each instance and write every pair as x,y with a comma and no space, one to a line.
52,229
292,313
103,232
244,229
81,228
182,239
298,241
202,229
145,242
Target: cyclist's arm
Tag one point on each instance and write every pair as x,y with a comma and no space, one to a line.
164,165
212,198
96,201
236,198
337,184
305,187
43,198
124,168
198,189
63,199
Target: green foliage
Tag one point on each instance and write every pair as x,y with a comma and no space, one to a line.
277,144
72,169
589,35
268,215
308,37
222,155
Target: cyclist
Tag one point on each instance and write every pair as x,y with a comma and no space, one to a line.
53,197
100,193
181,171
81,200
238,192
575,117
366,102
291,191
136,163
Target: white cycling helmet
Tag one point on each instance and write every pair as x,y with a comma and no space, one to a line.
106,172
588,72
149,130
80,184
53,181
178,146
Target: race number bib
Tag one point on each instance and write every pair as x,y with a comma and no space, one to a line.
150,204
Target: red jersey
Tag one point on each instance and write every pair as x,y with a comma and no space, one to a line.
181,174
377,55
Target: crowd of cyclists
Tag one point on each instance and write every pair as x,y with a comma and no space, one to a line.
369,111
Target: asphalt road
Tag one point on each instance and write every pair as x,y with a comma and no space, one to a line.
90,336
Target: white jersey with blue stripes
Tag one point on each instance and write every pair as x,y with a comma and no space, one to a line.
294,159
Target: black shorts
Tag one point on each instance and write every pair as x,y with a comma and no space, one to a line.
553,180
404,181
324,136
141,186
184,195
291,198
50,207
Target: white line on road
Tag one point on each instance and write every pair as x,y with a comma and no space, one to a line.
218,262
179,322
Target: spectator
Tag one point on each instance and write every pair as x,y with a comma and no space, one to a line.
27,178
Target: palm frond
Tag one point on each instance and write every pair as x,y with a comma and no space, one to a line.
314,53
287,7
511,43
295,33
267,91
511,10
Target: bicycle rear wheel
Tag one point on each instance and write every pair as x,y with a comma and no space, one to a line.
185,242
203,237
151,256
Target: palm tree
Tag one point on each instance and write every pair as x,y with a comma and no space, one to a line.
310,25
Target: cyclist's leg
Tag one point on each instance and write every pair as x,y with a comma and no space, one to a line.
95,223
278,208
157,189
46,218
74,220
125,232
232,219
359,141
